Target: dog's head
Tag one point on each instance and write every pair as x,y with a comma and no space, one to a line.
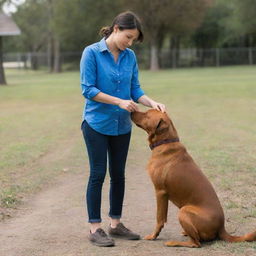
158,125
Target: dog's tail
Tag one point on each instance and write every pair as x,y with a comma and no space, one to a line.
223,235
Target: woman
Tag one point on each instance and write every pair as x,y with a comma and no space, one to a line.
109,81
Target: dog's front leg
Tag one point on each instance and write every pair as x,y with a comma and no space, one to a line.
161,218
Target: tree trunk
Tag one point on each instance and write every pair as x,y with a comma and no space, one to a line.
2,76
34,61
50,53
57,57
174,51
160,41
154,61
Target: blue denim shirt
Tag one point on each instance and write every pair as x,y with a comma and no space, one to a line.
100,73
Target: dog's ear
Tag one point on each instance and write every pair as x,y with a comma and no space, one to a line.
161,127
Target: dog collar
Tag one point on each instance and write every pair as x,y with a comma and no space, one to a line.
152,146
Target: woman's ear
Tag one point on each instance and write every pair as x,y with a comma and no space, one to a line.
116,28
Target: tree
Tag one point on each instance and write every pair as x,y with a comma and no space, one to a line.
243,20
7,28
167,17
228,24
32,19
210,33
62,25
2,75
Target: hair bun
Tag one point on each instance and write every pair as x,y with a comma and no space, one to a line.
105,31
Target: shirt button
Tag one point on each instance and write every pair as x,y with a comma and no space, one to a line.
118,90
115,120
118,82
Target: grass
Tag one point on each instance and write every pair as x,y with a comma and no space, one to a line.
40,114
213,110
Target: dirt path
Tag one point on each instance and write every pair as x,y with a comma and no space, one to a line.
54,223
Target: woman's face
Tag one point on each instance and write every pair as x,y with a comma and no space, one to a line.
125,38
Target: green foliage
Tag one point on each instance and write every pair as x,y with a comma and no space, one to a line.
32,19
213,30
227,24
76,23
245,11
169,17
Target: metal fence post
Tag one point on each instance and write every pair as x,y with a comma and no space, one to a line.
250,56
174,61
217,51
19,61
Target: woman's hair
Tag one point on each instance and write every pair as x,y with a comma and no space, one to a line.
125,20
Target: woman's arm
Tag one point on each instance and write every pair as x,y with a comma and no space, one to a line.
146,101
138,95
128,105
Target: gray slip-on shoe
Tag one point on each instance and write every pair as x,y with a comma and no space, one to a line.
122,232
100,238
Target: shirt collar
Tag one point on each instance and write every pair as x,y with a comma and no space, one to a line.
104,47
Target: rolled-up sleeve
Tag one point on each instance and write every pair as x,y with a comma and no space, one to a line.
136,91
88,72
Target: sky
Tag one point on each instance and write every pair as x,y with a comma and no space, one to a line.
10,8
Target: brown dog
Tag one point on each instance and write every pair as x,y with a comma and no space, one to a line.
177,178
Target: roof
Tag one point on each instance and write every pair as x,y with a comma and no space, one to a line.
7,26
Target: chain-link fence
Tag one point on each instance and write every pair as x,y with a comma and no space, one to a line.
208,57
69,60
175,58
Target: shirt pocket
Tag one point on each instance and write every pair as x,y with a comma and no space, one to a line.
127,74
107,82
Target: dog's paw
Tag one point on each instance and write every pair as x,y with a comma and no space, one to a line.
184,233
150,237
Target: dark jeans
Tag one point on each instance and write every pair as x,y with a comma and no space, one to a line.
98,147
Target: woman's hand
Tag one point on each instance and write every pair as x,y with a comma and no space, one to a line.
158,106
146,101
128,105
